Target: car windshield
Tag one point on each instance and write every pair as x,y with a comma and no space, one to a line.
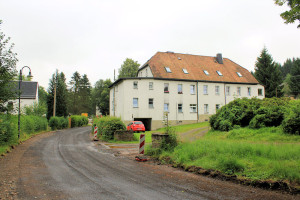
138,123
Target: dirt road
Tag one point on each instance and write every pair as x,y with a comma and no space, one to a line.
68,165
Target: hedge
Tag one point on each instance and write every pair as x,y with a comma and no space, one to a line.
58,123
107,126
78,121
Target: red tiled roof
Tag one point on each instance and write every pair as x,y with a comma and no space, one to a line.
195,65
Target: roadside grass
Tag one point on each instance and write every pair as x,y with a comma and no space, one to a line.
262,154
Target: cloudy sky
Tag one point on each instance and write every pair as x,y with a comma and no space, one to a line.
94,37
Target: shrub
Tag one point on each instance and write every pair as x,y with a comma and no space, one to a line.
291,122
170,142
58,123
78,121
53,123
6,129
108,125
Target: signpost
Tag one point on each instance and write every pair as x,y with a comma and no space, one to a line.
142,144
95,133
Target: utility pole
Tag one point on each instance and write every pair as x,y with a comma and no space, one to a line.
54,101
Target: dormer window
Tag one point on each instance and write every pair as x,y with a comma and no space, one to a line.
219,73
206,72
239,74
168,69
185,71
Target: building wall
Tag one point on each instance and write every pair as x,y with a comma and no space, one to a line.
125,92
146,72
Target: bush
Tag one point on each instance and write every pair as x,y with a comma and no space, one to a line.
78,121
169,143
291,122
6,129
108,125
58,123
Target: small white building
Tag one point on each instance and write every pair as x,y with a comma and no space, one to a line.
190,88
29,95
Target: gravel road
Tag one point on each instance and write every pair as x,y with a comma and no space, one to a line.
68,165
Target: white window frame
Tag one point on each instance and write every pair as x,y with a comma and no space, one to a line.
206,72
217,90
179,107
239,74
206,109
179,88
260,89
249,91
239,91
185,71
150,85
219,73
151,105
218,106
168,69
135,104
227,90
166,85
205,89
192,89
193,108
166,107
135,84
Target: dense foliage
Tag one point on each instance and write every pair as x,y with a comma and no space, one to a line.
101,95
78,121
8,62
292,15
29,125
257,113
107,126
129,68
58,123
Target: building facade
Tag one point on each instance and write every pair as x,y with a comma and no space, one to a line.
185,96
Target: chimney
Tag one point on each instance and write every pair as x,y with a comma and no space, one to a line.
219,58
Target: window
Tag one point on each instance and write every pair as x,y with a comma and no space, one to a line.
217,90
206,72
166,107
206,109
205,89
135,102
219,73
249,91
260,92
185,71
192,89
179,88
150,85
151,103
180,108
168,69
227,91
217,107
239,74
135,84
166,88
238,91
193,108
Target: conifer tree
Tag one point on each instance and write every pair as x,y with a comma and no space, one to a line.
294,81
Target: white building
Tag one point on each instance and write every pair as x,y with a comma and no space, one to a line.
189,88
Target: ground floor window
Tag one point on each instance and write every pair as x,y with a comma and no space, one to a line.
180,108
135,102
166,107
151,103
193,108
206,109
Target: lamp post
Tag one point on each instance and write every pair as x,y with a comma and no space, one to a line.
20,80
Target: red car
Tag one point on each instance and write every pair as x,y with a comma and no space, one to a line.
136,126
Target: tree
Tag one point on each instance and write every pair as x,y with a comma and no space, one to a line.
268,74
293,14
286,67
8,62
101,95
129,68
61,95
85,95
294,81
42,95
74,93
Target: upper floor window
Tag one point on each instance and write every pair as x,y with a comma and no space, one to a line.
135,102
205,89
166,107
150,85
179,88
249,91
238,91
206,72
227,90
193,108
135,85
192,89
219,73
185,71
217,90
239,74
151,103
180,107
260,92
168,69
166,88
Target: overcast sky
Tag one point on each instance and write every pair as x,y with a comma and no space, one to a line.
94,37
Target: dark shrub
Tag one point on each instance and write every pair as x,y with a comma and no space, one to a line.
54,123
107,126
6,129
291,122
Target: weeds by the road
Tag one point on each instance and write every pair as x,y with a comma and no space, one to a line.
255,154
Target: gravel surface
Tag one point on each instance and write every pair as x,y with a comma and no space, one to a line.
68,165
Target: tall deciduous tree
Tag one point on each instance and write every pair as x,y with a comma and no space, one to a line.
294,81
129,68
8,62
293,14
268,74
101,95
61,95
